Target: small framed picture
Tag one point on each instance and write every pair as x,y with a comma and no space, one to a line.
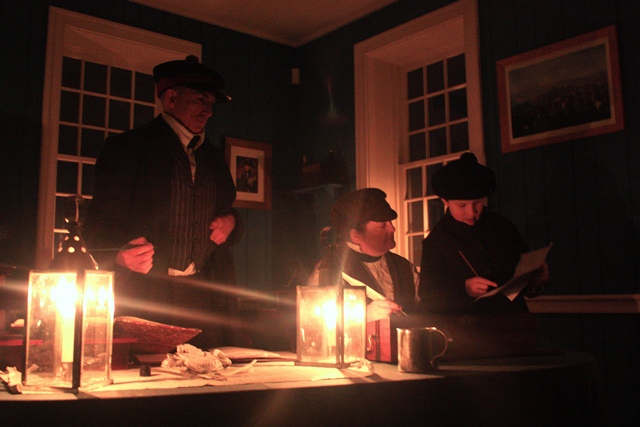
250,165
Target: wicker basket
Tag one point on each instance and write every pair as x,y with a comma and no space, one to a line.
152,337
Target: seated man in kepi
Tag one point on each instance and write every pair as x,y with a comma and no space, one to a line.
364,236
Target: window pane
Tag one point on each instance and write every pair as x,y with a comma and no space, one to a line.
458,104
415,85
456,74
95,77
459,137
145,88
438,142
142,114
414,183
88,179
93,110
92,142
431,170
68,140
120,82
416,115
417,147
119,113
67,177
435,209
416,217
71,73
436,110
416,249
435,77
69,106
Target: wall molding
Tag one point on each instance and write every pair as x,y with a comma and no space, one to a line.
603,304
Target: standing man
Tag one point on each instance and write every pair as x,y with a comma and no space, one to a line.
161,215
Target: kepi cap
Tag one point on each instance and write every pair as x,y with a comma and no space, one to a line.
190,73
360,206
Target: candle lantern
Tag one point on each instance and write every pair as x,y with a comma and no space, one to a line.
68,330
331,325
69,323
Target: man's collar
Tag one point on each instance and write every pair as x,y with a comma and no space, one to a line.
182,132
361,255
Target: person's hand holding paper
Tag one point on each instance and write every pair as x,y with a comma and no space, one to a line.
532,270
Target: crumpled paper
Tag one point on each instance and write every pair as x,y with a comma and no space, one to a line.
12,380
191,359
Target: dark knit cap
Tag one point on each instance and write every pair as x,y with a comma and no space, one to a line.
360,206
190,73
464,179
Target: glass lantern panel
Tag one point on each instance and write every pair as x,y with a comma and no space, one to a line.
50,329
355,315
98,333
319,322
317,326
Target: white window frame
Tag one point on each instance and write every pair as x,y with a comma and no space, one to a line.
92,39
381,64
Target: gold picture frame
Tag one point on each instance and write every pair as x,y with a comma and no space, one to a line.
250,166
563,91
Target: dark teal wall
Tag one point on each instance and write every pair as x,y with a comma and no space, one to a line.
583,194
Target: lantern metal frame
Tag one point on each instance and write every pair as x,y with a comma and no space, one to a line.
330,325
68,339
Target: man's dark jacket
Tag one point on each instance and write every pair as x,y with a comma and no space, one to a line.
132,196
492,247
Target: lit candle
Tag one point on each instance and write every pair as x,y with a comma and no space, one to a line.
330,312
66,295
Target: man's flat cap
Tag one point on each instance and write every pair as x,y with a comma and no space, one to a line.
190,73
360,206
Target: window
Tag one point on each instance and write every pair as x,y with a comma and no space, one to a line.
98,82
437,130
418,106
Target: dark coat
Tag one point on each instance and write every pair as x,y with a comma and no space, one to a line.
492,246
132,196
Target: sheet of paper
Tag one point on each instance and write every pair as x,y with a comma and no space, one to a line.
371,293
251,353
527,266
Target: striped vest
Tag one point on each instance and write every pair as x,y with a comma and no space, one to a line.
192,205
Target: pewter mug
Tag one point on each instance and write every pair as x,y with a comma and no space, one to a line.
420,348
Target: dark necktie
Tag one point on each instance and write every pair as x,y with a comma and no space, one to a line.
193,142
192,158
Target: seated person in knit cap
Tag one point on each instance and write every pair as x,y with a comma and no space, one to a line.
471,250
364,235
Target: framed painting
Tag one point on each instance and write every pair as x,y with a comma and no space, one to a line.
564,91
250,165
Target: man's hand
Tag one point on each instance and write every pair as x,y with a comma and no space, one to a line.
221,227
478,286
381,309
137,256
